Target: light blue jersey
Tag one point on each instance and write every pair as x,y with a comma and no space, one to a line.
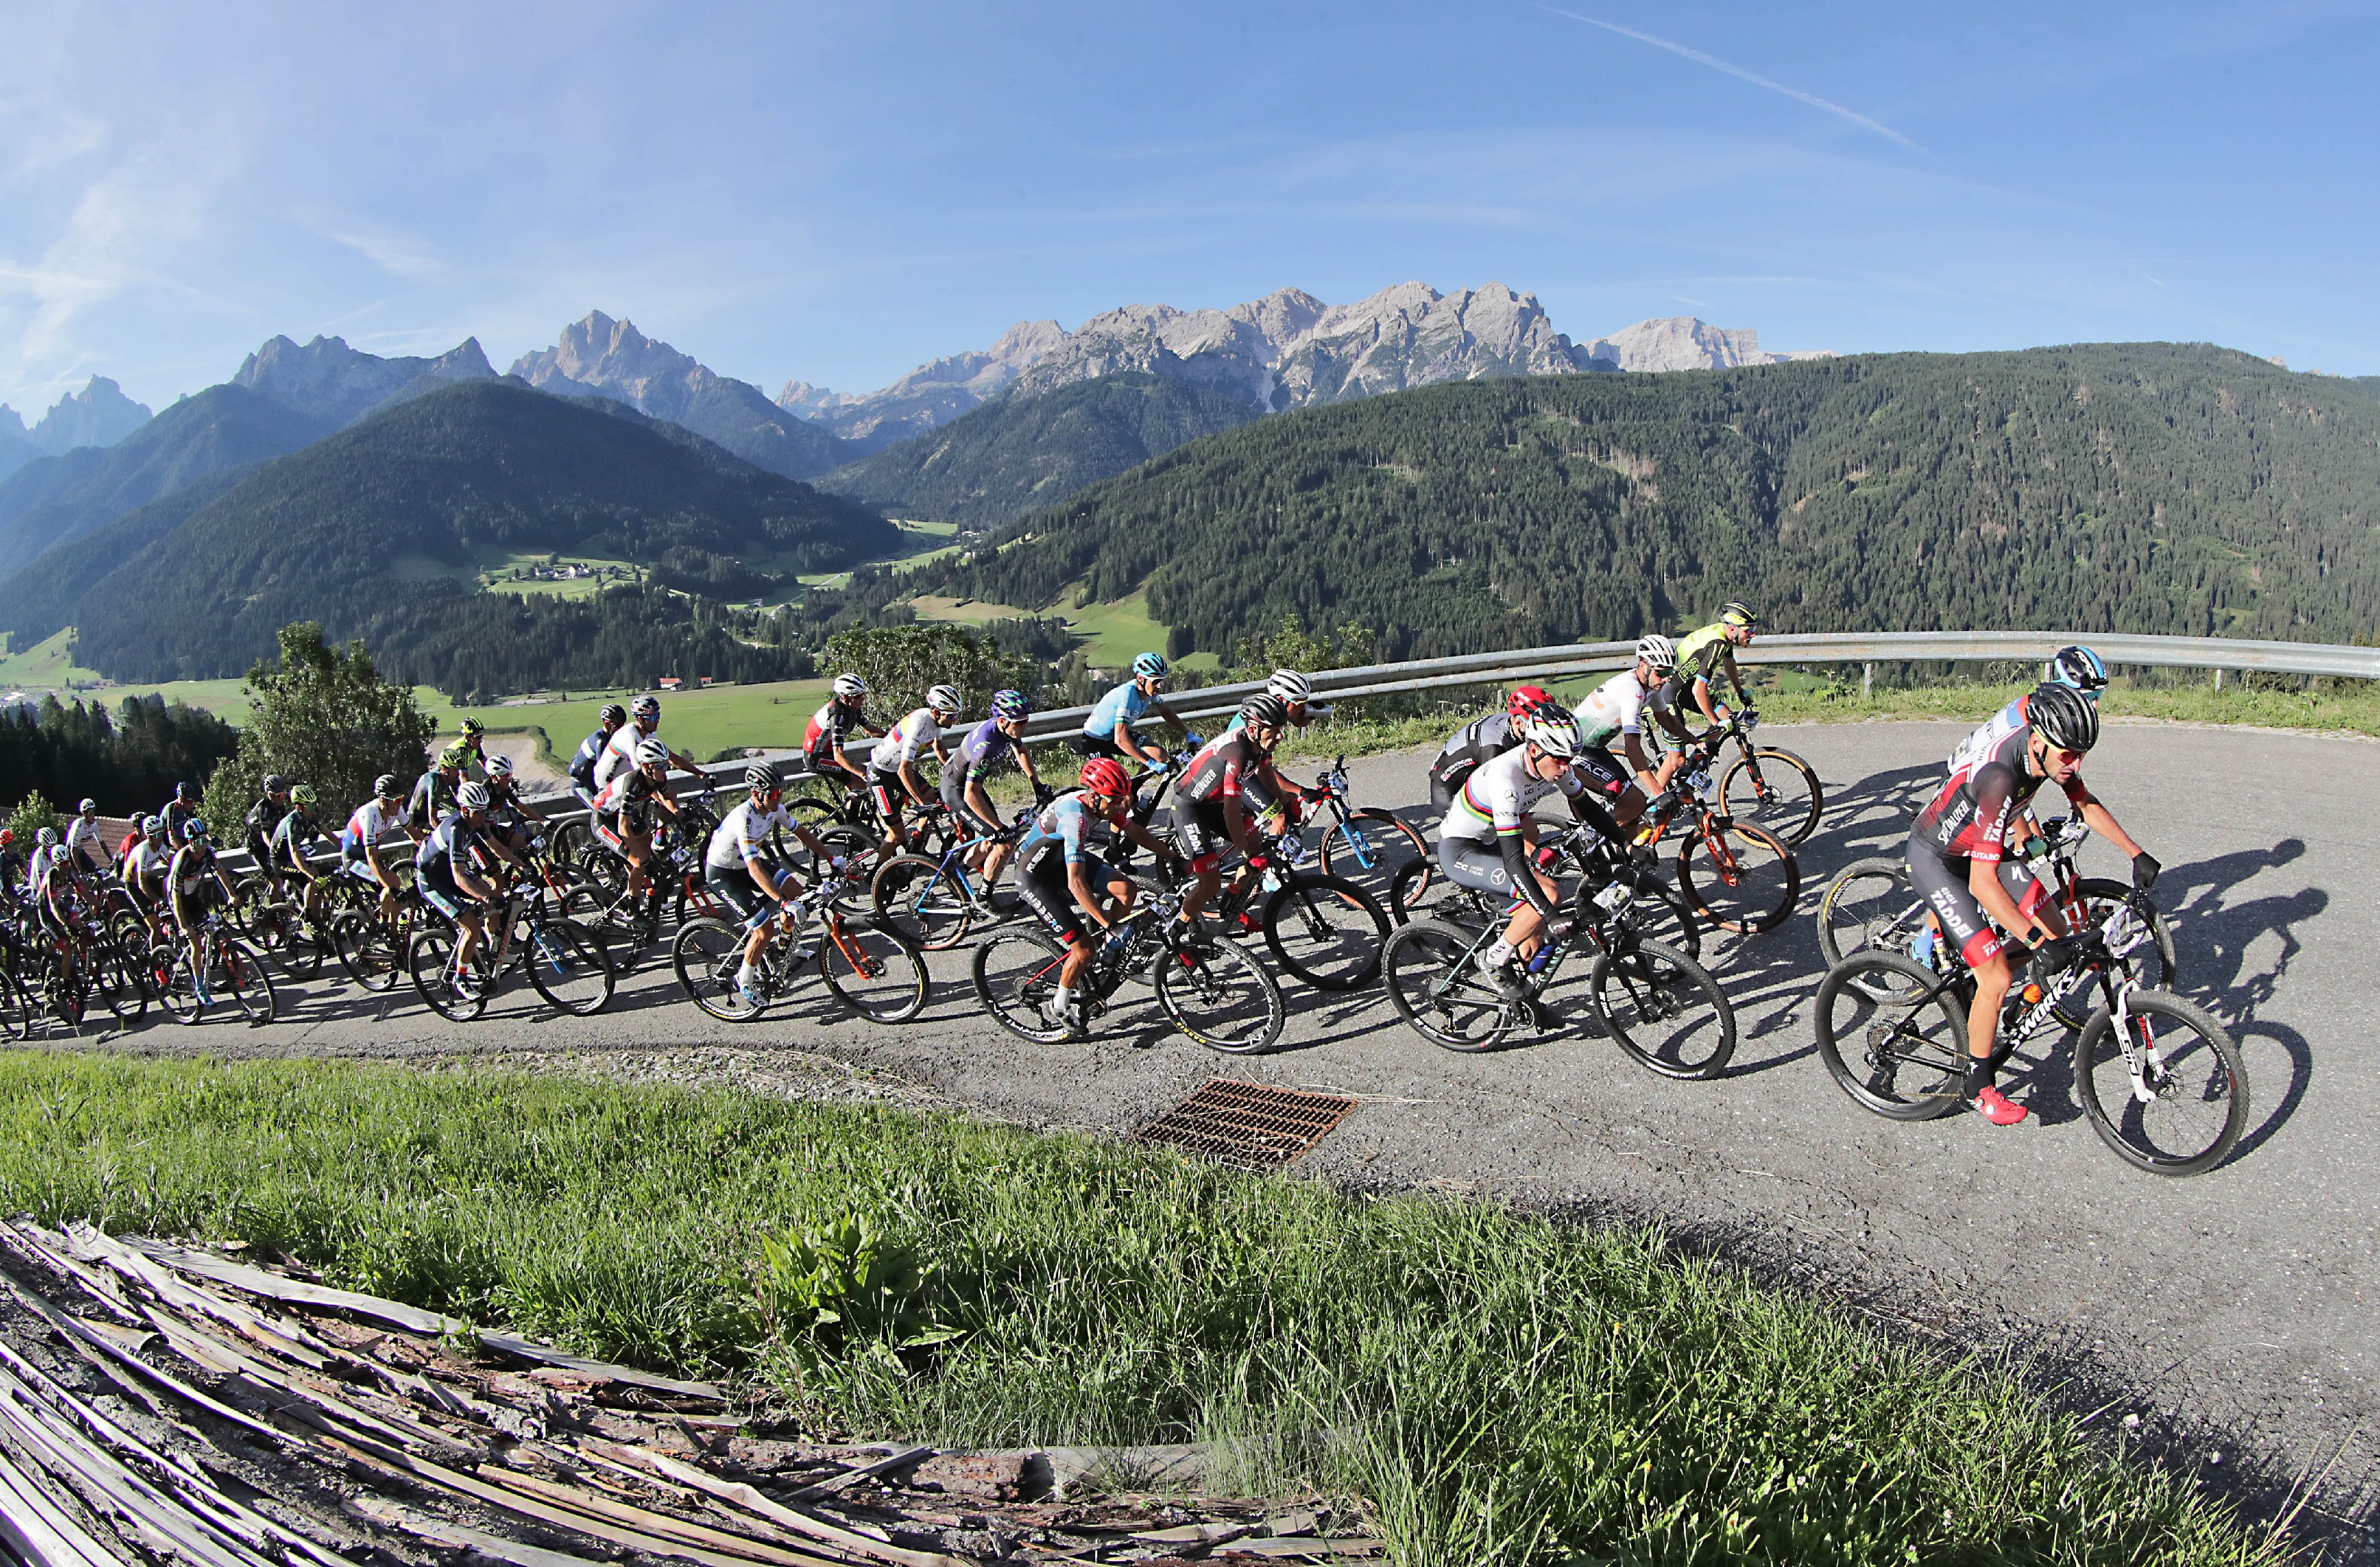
1122,705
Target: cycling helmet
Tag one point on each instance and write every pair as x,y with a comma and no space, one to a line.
386,787
1290,686
453,758
195,830
850,688
273,784
1525,699
499,766
1103,776
1735,611
303,795
612,714
472,797
1657,650
9,835
1265,709
151,826
1011,704
1150,666
86,808
946,699
472,728
2063,717
647,706
1550,729
185,791
2078,668
651,752
761,777
47,837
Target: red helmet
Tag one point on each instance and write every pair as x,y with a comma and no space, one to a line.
1101,776
1526,698
6,837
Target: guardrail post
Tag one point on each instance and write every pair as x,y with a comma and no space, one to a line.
1867,679
2218,678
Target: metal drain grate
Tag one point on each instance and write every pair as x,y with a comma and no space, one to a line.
1253,1126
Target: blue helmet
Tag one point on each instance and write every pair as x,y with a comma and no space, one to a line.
1149,666
2077,669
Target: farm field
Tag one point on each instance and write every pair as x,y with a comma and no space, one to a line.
1116,633
921,542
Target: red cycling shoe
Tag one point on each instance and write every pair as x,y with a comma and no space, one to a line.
1997,1108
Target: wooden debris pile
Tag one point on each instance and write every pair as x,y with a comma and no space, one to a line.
161,1406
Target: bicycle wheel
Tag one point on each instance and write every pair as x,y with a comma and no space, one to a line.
567,966
606,874
1888,1046
431,960
1221,997
873,970
2152,965
1372,848
308,943
707,954
1435,989
1739,877
1015,972
567,845
1772,788
811,810
2190,1102
119,981
239,975
367,949
170,962
1664,1009
1327,930
16,1010
922,900
252,895
1868,907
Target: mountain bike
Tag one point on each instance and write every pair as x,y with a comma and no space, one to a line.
1369,847
84,964
370,948
2161,1082
1739,877
1767,785
1661,911
1324,929
1210,991
868,966
523,929
234,977
1656,1003
935,898
1870,904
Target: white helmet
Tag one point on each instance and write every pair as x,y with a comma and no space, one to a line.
649,752
472,797
499,766
850,685
1289,685
946,699
1552,730
1657,650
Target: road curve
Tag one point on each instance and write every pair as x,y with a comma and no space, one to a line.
2232,1310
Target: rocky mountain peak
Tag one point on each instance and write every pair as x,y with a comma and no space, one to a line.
98,415
1687,342
326,379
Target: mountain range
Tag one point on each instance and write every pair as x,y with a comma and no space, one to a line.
98,415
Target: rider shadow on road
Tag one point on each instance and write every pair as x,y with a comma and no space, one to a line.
2212,937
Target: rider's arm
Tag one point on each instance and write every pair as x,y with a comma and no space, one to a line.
1514,848
2102,821
1585,808
1173,723
1130,747
1735,677
1650,779
1024,761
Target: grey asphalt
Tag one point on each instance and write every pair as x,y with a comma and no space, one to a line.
2227,1312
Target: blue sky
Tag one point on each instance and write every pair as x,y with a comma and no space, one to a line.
836,194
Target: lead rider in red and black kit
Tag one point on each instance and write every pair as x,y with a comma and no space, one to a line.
1956,861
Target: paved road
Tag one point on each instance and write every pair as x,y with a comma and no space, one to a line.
2232,1308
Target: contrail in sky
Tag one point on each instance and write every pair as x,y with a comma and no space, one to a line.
1718,65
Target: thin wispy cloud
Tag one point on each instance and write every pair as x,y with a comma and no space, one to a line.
1715,63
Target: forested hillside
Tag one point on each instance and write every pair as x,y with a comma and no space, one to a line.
376,531
1018,454
2153,488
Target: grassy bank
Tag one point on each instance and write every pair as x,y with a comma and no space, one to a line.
1500,1387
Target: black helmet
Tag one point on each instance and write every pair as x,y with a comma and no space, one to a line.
185,791
1266,708
612,714
386,786
761,777
2064,717
272,783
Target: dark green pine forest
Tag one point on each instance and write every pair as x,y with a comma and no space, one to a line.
2154,488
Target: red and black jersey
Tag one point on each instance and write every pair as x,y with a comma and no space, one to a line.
1230,765
832,725
1969,819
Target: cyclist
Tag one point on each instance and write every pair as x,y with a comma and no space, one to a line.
1486,840
190,897
1223,793
1958,865
1480,741
179,812
964,795
1617,708
622,752
1294,693
288,845
48,881
508,814
609,722
843,717
86,850
12,863
375,820
737,859
2077,669
893,778
1702,655
433,792
271,805
1062,880
447,870
144,875
623,819
472,736
1108,731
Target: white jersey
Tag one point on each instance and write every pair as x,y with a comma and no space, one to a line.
1496,799
910,737
1616,706
620,752
147,861
1986,740
37,870
82,838
370,823
743,835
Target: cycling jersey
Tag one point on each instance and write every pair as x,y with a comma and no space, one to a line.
1496,796
451,839
1969,819
582,760
1061,825
432,797
370,823
192,866
37,870
620,753
177,818
743,835
1122,705
1614,708
1229,766
291,837
1702,654
82,834
629,796
831,726
983,748
1995,729
909,737
144,863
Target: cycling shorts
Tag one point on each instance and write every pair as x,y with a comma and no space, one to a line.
1604,774
1942,883
1200,833
436,883
962,816
1043,887
888,793
734,888
1470,863
825,767
1095,745
358,867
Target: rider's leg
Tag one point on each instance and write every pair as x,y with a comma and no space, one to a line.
467,944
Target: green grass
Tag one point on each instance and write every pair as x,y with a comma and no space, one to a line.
1499,1387
1113,634
920,542
701,723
